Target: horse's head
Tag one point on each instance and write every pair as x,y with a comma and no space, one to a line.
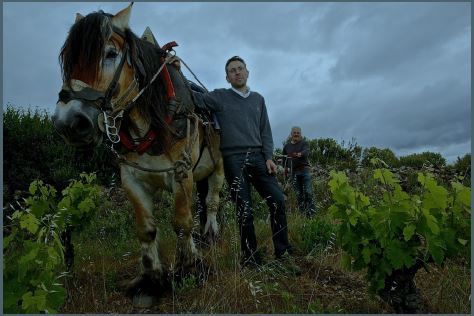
98,77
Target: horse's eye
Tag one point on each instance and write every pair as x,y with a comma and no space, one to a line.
111,55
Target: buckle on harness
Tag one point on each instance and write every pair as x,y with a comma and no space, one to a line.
112,129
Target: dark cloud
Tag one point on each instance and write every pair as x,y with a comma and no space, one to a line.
393,75
386,36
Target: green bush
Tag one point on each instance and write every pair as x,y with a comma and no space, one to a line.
399,230
462,167
385,155
34,150
418,161
327,152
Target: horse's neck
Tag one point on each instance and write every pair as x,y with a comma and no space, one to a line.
181,90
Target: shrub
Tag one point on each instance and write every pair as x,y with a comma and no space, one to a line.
33,150
34,255
385,155
462,167
327,152
418,161
393,236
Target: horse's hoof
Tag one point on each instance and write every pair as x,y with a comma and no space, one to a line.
208,240
144,290
143,300
212,239
199,269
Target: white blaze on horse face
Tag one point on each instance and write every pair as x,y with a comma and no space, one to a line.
76,85
113,53
112,58
64,111
122,18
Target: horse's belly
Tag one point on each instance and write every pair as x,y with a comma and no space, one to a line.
160,176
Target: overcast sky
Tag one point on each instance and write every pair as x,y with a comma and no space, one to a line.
389,75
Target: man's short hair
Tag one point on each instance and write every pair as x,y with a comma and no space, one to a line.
234,58
296,127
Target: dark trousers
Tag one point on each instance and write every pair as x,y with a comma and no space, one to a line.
242,170
301,181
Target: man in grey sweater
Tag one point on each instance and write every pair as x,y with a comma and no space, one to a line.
247,147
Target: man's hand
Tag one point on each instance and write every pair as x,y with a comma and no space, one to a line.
294,155
271,167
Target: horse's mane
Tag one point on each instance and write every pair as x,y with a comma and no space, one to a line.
81,55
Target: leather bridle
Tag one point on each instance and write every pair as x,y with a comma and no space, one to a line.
101,100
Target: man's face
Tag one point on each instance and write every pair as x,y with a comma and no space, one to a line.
237,74
295,135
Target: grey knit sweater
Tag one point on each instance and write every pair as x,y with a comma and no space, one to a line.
297,163
244,121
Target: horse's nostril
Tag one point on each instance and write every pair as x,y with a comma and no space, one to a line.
81,125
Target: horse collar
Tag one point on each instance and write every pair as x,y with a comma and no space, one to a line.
141,147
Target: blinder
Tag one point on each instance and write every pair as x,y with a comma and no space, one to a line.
99,99
86,94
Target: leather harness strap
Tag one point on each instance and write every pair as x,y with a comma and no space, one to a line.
150,137
170,93
141,147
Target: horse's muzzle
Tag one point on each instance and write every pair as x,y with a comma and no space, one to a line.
77,124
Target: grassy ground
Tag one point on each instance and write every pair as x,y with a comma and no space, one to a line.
107,255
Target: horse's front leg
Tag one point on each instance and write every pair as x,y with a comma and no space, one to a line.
187,253
149,283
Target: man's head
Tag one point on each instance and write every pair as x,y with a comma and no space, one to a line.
295,134
236,72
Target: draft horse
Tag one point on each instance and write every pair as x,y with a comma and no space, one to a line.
122,88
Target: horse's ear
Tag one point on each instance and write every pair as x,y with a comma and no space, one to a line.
149,37
122,18
78,17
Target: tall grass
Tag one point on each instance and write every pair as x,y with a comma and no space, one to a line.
108,255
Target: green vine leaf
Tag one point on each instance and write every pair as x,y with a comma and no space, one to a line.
398,255
431,221
29,222
408,232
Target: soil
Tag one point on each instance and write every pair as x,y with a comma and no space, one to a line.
322,284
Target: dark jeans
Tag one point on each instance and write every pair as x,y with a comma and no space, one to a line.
301,181
242,170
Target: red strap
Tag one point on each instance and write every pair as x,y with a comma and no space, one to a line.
170,93
141,147
125,140
169,46
146,143
168,84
